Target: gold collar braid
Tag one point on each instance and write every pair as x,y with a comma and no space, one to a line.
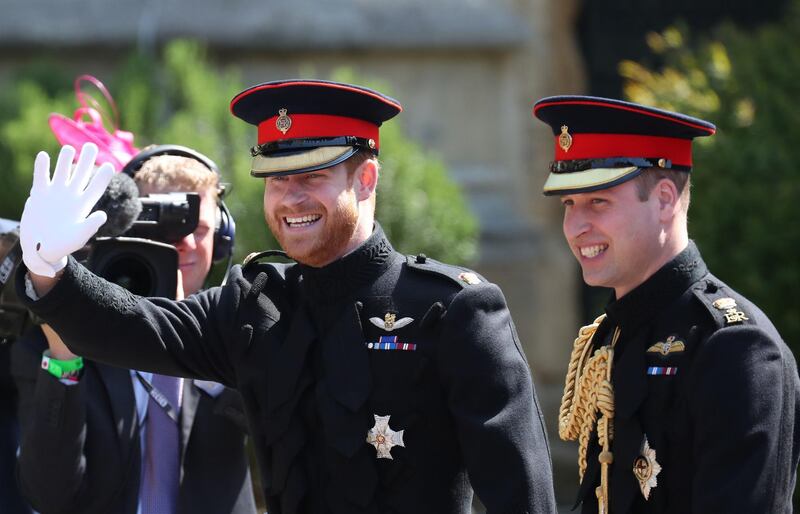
587,391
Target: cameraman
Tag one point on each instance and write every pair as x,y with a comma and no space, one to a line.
94,438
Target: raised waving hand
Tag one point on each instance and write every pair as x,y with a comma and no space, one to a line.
57,219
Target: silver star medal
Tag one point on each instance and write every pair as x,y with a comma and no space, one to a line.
383,438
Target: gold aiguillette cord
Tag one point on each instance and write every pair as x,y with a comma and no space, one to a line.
587,393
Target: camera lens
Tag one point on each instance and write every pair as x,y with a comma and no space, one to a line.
143,267
131,272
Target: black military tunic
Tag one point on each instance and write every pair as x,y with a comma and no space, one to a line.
704,377
375,343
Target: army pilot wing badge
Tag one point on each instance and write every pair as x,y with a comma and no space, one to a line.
390,322
667,347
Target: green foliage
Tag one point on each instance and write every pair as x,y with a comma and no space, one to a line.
745,211
23,135
419,206
180,98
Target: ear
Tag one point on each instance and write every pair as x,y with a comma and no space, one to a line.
366,179
668,199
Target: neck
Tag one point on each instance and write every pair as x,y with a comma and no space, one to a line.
347,274
670,243
659,290
361,234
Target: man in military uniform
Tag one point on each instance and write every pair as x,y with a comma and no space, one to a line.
683,396
374,382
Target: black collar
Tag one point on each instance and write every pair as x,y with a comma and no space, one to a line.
658,291
344,276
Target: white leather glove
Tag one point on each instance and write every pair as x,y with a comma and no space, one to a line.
56,219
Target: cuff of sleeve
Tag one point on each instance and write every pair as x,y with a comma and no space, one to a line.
29,289
46,304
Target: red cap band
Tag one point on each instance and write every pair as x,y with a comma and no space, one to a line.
317,125
600,146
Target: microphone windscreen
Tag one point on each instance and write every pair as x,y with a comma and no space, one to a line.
121,203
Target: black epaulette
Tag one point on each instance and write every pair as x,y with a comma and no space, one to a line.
721,304
461,276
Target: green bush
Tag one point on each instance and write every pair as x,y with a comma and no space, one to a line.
744,214
181,99
419,205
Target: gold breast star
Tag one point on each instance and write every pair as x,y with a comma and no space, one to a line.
383,438
646,469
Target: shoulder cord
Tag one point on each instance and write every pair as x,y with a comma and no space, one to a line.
588,390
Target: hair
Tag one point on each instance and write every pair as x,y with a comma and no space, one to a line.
354,162
357,159
176,173
649,177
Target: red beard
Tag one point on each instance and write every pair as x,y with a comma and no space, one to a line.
329,244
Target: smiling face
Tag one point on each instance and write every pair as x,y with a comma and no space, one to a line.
196,251
320,216
170,174
618,239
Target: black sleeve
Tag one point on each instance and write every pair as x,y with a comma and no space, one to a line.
491,397
742,404
52,415
229,404
197,337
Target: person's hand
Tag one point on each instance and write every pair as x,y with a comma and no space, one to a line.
56,220
58,350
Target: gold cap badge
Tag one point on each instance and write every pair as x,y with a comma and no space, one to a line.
565,139
284,122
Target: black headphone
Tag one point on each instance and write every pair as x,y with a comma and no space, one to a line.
225,230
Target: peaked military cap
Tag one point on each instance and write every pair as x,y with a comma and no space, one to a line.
600,142
307,125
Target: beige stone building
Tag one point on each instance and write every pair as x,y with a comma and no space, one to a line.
467,73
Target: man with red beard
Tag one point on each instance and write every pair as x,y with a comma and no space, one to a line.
373,381
683,395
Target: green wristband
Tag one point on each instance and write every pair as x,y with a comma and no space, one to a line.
62,369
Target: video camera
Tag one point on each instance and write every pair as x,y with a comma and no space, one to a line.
141,259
